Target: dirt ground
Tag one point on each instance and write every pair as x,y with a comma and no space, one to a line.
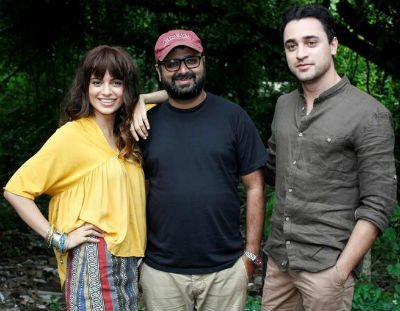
28,274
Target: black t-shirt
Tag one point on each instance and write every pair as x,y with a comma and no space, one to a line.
193,160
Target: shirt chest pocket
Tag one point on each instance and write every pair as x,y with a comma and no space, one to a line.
330,153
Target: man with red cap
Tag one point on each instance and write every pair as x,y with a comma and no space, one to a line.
200,146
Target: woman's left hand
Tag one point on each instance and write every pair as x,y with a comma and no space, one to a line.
85,233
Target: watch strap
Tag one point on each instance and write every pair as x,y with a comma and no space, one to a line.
250,255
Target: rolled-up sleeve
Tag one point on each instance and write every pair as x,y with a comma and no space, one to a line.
374,146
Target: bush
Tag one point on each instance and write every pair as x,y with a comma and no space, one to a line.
382,291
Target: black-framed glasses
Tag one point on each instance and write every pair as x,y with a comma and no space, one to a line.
174,64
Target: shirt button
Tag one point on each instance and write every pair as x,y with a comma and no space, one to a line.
287,242
300,134
290,189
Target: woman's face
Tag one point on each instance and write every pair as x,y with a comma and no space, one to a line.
105,94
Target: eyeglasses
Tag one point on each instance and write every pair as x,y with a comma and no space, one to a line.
174,64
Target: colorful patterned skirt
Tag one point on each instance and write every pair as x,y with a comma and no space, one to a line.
98,280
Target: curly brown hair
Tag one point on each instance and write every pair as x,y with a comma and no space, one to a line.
121,66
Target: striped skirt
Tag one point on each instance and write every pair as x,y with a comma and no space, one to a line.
98,280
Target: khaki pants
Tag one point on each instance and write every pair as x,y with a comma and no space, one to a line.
224,290
299,291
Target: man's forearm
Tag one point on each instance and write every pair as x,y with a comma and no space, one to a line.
361,239
155,97
255,211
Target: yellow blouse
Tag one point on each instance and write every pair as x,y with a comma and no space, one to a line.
88,183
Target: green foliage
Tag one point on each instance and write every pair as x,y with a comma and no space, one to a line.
56,304
270,197
368,297
253,304
382,290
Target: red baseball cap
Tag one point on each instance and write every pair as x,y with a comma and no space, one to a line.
173,38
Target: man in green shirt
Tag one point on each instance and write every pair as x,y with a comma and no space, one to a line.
332,158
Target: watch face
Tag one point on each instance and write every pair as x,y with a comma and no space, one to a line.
258,261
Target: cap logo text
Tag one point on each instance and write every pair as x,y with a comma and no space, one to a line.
174,37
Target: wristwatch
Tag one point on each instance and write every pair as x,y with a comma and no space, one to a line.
256,259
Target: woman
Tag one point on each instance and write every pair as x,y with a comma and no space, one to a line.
91,167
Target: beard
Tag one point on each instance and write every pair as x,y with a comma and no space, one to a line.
184,93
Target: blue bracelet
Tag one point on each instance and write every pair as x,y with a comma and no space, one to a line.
61,243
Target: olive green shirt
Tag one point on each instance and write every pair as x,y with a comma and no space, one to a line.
333,167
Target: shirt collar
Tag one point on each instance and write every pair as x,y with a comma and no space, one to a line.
337,88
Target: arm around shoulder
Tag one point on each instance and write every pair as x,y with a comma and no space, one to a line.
155,97
141,124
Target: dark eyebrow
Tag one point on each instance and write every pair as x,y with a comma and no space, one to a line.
311,37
